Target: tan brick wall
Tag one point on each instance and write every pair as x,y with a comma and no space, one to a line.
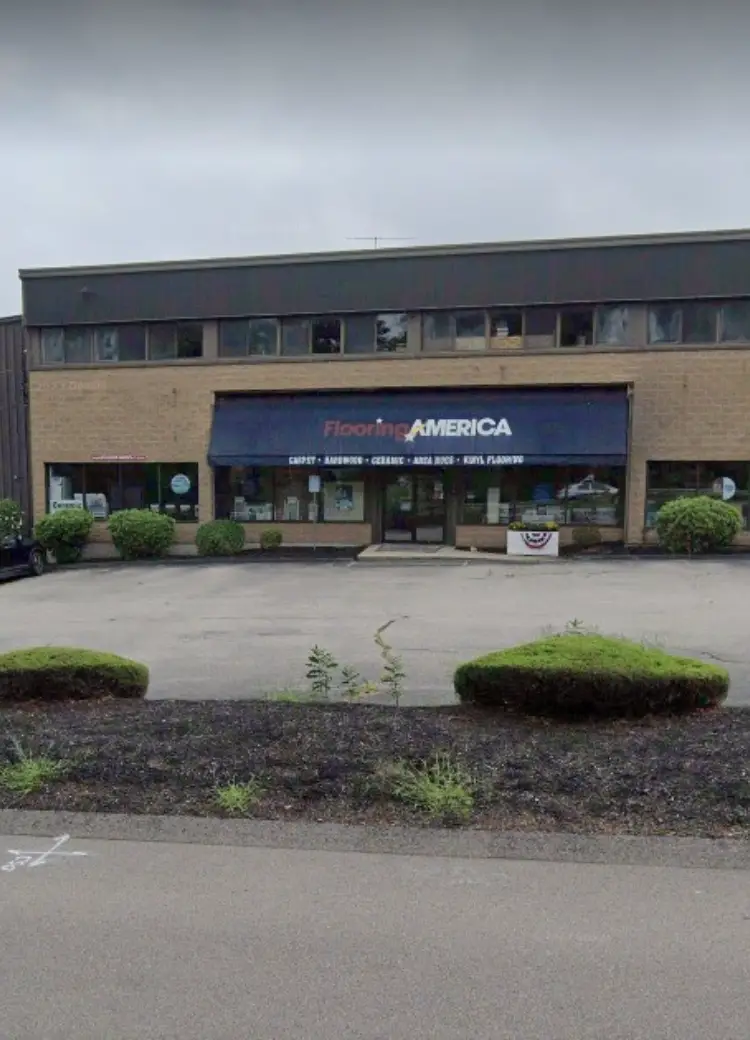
687,404
482,537
341,535
309,534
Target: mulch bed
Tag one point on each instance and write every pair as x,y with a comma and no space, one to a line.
685,776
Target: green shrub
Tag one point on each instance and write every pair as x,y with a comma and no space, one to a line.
141,533
220,538
65,533
52,673
586,537
697,524
11,518
271,539
586,674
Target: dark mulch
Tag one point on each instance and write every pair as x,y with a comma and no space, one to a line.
672,776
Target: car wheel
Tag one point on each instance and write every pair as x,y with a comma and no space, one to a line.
36,562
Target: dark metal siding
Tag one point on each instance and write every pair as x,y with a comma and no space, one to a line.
559,275
14,431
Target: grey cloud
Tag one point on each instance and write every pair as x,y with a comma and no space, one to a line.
135,131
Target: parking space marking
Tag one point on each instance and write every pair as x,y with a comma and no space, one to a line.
24,858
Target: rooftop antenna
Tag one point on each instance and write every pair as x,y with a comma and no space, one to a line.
376,239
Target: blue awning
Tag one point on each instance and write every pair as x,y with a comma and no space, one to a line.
444,428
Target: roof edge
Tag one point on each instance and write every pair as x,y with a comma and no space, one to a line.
261,260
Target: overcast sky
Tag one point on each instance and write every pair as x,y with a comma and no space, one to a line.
180,129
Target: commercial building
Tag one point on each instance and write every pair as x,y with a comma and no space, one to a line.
432,394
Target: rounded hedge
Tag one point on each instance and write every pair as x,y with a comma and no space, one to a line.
578,674
54,673
697,524
271,538
11,518
141,533
65,533
220,538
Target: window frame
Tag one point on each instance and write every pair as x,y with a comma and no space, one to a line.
246,324
680,307
308,323
512,508
578,310
492,314
697,487
722,321
85,466
273,473
151,328
453,338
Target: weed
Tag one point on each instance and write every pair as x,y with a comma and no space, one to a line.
236,798
440,788
393,677
394,674
353,686
576,625
30,773
321,665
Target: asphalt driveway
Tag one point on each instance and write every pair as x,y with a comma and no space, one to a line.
243,630
169,942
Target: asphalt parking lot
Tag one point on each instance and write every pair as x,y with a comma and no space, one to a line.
218,630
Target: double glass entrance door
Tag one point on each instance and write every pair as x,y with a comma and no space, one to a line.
414,508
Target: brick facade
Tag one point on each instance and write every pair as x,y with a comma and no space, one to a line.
687,404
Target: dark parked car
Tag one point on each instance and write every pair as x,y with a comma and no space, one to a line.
19,556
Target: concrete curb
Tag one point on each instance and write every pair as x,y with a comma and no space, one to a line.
624,850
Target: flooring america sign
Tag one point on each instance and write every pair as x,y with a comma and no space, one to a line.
408,432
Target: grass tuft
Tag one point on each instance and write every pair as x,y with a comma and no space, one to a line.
31,773
238,798
441,788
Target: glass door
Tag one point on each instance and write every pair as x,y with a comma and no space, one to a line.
414,508
398,508
429,508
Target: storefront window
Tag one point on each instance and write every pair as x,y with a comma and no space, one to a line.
105,487
537,493
343,495
595,496
282,494
64,486
244,493
729,481
293,500
483,498
178,490
563,494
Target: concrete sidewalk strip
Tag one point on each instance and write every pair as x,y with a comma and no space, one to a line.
729,854
446,554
